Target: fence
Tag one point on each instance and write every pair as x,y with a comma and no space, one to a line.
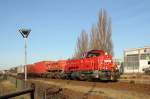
18,93
41,91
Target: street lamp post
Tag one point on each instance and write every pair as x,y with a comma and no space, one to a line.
25,33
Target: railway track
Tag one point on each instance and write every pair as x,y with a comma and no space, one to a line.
108,84
115,90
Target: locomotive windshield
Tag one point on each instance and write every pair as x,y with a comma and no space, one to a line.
90,54
93,53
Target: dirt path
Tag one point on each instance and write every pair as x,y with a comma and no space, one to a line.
105,90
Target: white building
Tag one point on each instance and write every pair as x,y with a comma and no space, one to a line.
136,59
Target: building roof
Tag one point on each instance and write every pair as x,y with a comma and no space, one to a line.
131,49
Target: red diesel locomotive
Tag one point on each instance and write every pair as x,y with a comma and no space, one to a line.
94,64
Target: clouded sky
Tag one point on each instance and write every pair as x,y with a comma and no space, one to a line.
56,24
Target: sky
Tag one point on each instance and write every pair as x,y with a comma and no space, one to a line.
56,24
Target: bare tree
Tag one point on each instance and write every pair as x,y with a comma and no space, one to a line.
100,37
101,34
81,45
94,38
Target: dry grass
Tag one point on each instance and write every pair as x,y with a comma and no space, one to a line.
7,87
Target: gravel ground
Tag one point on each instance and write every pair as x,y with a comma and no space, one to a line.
98,90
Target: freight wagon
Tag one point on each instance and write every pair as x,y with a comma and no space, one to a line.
38,69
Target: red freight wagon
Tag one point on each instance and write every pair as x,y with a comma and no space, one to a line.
30,68
62,64
57,66
55,69
39,68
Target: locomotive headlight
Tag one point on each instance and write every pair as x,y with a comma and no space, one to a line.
96,76
107,60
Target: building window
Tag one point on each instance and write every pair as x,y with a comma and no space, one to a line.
148,62
144,50
132,61
145,57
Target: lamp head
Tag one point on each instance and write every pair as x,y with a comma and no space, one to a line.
25,32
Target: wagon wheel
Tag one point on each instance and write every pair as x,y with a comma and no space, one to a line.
82,77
